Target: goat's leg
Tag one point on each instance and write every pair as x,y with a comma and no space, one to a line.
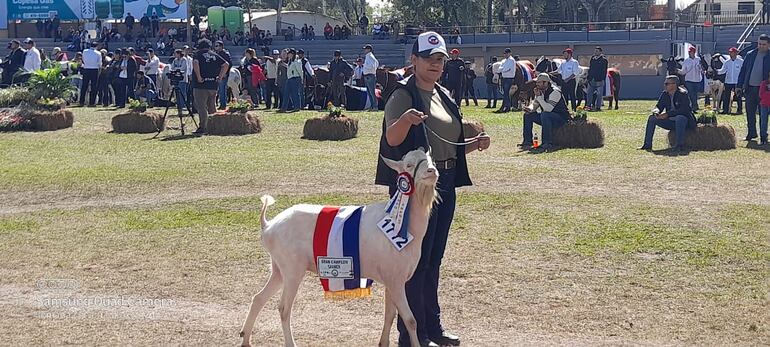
291,282
399,299
258,302
390,314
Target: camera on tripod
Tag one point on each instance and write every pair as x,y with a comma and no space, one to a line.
175,77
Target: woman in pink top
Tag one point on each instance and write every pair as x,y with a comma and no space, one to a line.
764,111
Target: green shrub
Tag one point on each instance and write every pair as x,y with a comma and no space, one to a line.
51,84
11,97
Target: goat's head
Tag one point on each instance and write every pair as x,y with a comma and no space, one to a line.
419,165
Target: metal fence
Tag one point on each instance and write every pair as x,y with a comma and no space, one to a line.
578,32
717,17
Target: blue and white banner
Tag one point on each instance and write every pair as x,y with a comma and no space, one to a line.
92,9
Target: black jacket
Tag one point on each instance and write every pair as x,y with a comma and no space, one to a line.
340,67
453,71
681,105
14,61
597,69
417,137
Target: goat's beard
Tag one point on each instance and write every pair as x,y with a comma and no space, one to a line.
425,195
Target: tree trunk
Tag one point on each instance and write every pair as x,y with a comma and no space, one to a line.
489,16
278,18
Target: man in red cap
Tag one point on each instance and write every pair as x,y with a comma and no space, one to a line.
693,76
731,69
569,70
454,71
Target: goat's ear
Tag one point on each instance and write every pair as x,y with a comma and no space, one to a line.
397,166
428,153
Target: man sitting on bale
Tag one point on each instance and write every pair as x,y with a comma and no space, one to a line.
672,112
554,113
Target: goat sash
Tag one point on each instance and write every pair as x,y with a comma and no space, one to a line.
396,222
336,251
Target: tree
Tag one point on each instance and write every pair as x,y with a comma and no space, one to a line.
592,8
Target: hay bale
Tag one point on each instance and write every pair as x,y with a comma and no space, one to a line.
707,138
229,123
50,120
330,128
472,128
584,134
138,122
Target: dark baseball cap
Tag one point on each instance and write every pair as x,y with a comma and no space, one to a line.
368,47
337,53
300,51
507,50
429,43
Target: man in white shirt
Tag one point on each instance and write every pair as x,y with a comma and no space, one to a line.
153,66
731,69
92,61
693,76
569,70
507,73
271,88
370,75
32,60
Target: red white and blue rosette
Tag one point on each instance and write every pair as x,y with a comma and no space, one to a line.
405,183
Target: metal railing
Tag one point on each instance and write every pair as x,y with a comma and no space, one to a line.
597,31
717,17
749,29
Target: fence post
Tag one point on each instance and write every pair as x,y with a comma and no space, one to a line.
588,31
628,26
510,28
547,33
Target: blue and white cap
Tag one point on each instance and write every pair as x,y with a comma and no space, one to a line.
429,43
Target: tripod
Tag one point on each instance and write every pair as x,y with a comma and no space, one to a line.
172,101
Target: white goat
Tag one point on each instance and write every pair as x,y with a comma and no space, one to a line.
288,238
234,82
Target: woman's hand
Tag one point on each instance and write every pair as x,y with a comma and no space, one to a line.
413,117
484,141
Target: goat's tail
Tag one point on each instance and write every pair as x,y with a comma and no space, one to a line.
267,200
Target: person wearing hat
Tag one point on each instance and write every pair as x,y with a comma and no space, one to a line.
370,75
468,90
548,109
418,114
219,49
209,69
92,63
672,112
13,62
32,59
340,71
693,76
597,73
731,69
358,73
568,71
454,75
271,89
507,72
493,82
755,69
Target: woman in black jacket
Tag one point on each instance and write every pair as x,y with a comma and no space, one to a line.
420,113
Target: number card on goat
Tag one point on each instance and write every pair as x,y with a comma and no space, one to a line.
336,250
396,222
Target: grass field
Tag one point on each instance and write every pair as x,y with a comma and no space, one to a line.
129,240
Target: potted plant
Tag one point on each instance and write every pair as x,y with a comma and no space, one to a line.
708,116
137,106
581,115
